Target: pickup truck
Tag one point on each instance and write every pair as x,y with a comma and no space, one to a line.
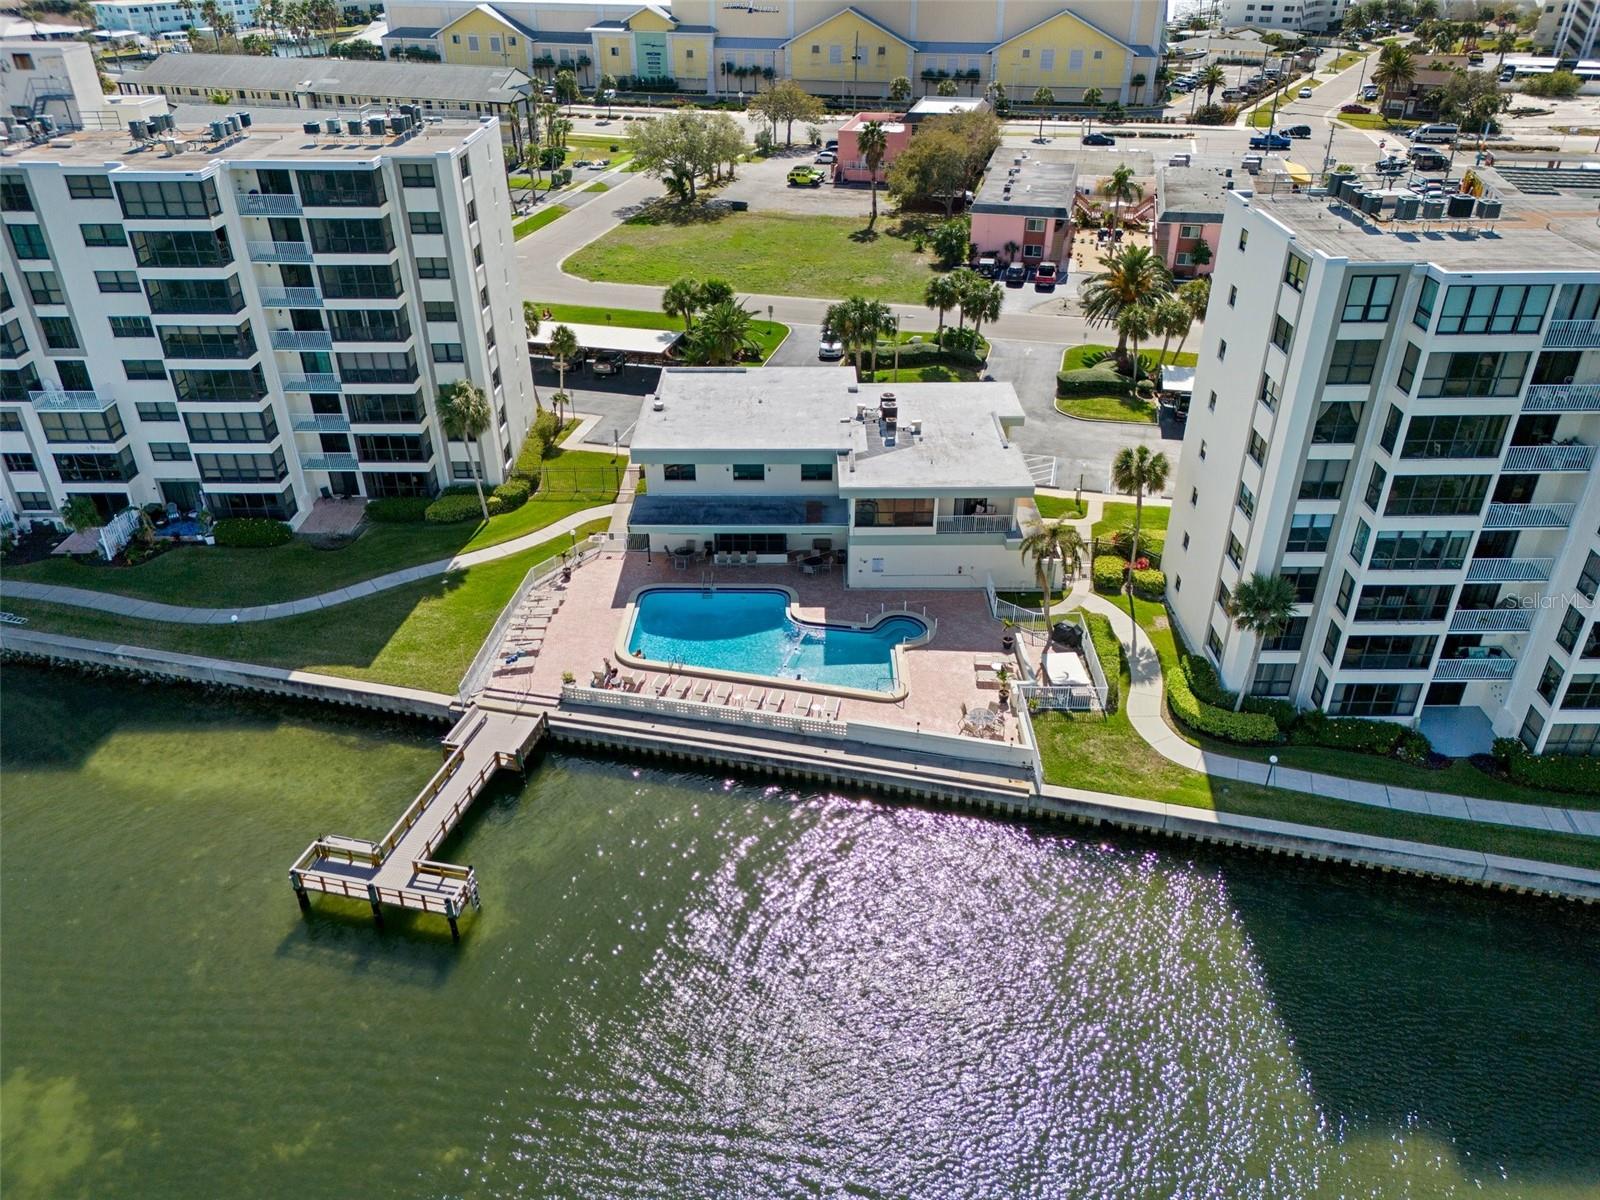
1269,141
805,177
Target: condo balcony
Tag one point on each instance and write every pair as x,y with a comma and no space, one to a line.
1562,397
330,462
1572,335
1004,523
1509,570
293,297
269,205
301,339
319,382
1491,620
1574,456
279,252
1490,663
56,400
321,423
1529,516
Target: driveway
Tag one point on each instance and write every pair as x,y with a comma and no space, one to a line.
764,185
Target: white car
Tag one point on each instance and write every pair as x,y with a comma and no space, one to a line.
830,349
1304,93
827,156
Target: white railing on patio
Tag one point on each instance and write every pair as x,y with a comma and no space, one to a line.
118,532
977,524
696,710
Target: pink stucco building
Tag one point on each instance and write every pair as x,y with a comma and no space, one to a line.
1025,200
1188,212
852,168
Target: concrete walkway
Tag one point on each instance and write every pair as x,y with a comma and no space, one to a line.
176,614
1146,709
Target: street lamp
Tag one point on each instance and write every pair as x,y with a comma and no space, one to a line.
1272,762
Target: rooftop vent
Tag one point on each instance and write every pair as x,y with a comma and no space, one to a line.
657,404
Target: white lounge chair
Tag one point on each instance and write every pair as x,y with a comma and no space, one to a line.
632,683
775,702
702,691
831,711
756,699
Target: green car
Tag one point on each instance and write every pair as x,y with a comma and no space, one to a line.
805,177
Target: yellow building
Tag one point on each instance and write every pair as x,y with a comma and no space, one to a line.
831,49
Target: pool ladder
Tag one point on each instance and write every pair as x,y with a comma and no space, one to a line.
707,578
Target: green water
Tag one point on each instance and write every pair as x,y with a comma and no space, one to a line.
689,986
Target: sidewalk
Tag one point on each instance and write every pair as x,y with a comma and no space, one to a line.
1146,706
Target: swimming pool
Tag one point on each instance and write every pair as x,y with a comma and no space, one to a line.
750,631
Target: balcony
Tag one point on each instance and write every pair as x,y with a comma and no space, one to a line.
295,297
1562,397
321,382
992,524
1509,570
1474,670
1572,457
321,423
1491,620
1529,516
55,400
1572,335
330,462
261,204
279,252
301,339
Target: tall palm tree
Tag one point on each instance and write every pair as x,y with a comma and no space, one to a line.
1263,606
682,299
899,89
531,322
942,294
1132,276
873,145
1121,187
1044,98
965,281
723,334
849,320
712,292
1092,97
1170,317
1211,78
1135,470
563,348
464,413
1195,295
1136,323
874,321
1051,541
1504,42
984,304
949,87
1396,69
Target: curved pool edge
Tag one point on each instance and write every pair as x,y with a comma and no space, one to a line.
896,652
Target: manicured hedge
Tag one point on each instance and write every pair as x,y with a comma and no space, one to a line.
456,505
512,494
253,532
1558,772
1150,584
1247,729
1101,380
539,445
1109,650
1108,573
1152,544
397,510
1316,728
927,354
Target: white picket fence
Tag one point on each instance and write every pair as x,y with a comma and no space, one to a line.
118,532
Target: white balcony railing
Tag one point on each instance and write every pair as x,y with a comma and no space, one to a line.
1575,457
291,297
330,462
321,423
1470,670
261,204
319,382
1529,516
301,339
279,252
56,400
1509,570
1491,620
1572,335
985,524
1562,397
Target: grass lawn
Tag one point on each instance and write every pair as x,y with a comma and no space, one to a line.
782,253
933,373
597,186
421,635
1116,514
538,220
219,576
1114,405
768,334
1373,121
1060,508
1345,61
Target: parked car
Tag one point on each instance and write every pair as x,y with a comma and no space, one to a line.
1304,93
1296,131
1016,274
1426,158
1392,165
1436,133
830,348
1370,92
988,267
827,156
600,164
1044,277
1269,141
831,144
609,362
805,176
582,162
1099,139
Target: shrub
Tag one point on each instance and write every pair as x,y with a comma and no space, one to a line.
397,510
457,505
548,426
254,532
512,494
1108,573
1150,583
1316,728
1109,651
1281,711
1101,380
1558,772
1152,543
1413,747
1244,728
527,464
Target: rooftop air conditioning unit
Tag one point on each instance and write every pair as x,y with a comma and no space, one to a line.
657,404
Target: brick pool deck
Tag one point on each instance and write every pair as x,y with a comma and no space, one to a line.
939,673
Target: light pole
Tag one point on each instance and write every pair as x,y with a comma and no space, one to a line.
1272,762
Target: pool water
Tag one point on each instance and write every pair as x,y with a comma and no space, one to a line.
750,631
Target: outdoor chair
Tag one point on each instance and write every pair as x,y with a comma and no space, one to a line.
683,690
719,694
756,699
702,691
632,683
775,702
831,713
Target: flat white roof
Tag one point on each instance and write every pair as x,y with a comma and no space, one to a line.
1177,379
614,337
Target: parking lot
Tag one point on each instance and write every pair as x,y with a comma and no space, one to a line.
763,186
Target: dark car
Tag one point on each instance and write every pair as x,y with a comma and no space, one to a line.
1269,141
1016,274
609,362
1297,131
1099,139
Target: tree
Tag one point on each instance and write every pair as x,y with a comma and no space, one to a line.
1136,471
932,169
1470,98
1044,98
1135,323
583,62
873,145
563,348
1262,606
1121,188
605,88
984,302
725,145
531,323
951,241
713,292
788,102
1051,542
1195,295
1211,78
857,322
899,89
464,412
1170,317
1092,97
674,147
1396,69
723,334
1131,276
80,513
949,87
682,299
211,13
942,294
1135,82
566,85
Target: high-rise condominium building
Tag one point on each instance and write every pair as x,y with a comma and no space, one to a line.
1570,28
249,321
1401,418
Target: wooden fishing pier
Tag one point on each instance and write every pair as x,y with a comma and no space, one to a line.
400,870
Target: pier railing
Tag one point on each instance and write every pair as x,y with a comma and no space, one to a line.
414,810
696,710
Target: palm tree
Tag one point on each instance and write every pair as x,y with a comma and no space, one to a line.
1135,82
899,89
1092,97
965,281
949,87
874,320
873,145
464,413
1137,471
1044,98
849,320
1135,323
682,299
1195,295
712,292
1120,187
1262,605
1504,42
1170,317
1396,69
984,304
563,348
723,335
942,294
1132,276
1051,541
1211,79
531,322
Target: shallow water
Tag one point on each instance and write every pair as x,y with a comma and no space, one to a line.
688,986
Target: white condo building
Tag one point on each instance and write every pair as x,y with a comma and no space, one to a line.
250,321
1401,417
153,17
1568,28
1309,15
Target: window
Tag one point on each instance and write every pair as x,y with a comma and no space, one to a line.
1257,448
34,501
14,195
1582,692
1571,626
762,543
89,187
426,222
44,287
1550,681
1346,590
179,296
1375,484
1404,602
378,368
28,241
381,409
1352,361
1033,224
207,341
117,281
394,447
1032,251
97,468
1233,294
1591,644
242,426
351,236
1389,652
1190,232
1358,543
60,333
12,342
1375,699
1391,427
1492,308
1336,424
1235,551
1589,580
1293,635
144,368
1532,727
749,472
1273,679
477,256
417,175
1425,300
1304,581
472,42
1454,437
82,426
169,199
1047,60
439,310
678,472
10,420
1213,643
1308,533
1185,539
1437,495
433,268
1319,689
1246,502
1408,368
1295,272
1427,550
1583,740
156,411
132,327
1222,349
447,352
1194,496
472,212
1369,297
360,282
1202,449
1244,238
1224,596
220,386
1211,404
1474,373
341,189
242,468
1323,479
18,460
169,452
101,235
1269,392
1282,333
182,248
913,512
